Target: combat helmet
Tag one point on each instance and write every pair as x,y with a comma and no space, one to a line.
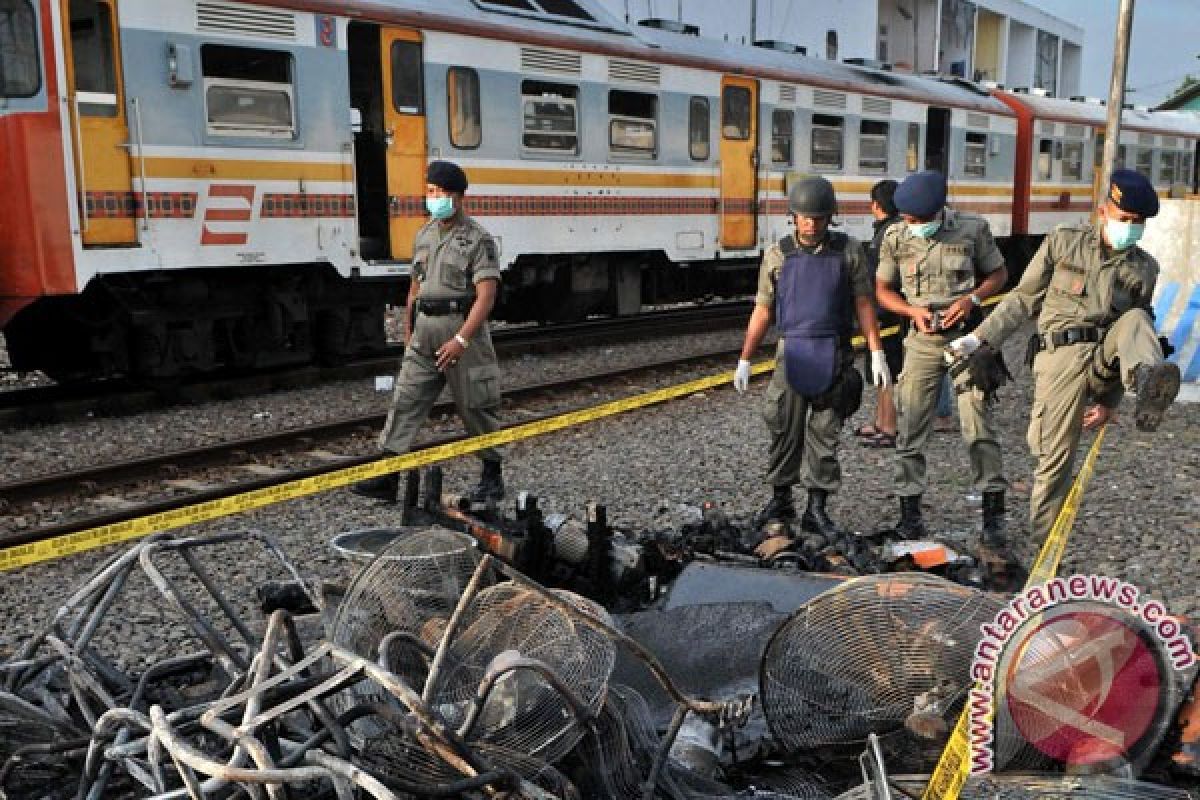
812,196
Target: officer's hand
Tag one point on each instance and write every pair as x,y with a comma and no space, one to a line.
922,318
963,346
448,354
741,376
1097,416
957,312
881,376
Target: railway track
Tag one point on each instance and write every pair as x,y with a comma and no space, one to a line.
57,402
148,485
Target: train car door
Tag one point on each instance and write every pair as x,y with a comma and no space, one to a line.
404,136
102,146
739,162
937,140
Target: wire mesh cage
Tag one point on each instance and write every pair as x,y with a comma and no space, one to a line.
1036,787
871,656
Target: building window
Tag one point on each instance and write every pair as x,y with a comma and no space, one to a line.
1145,162
1045,159
20,75
550,119
872,147
975,155
912,152
735,112
1185,168
782,126
462,107
1167,163
1073,161
831,45
406,78
248,92
826,142
93,55
632,124
698,134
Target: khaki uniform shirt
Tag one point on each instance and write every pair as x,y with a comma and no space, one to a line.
1075,280
449,263
935,272
858,276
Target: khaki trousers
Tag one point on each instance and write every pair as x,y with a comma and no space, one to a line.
1066,379
804,442
474,384
916,397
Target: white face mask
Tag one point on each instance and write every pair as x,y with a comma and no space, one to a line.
925,229
1123,235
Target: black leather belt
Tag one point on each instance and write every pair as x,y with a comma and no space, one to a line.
441,308
1071,336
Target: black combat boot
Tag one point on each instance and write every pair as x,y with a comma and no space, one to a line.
491,483
1156,387
384,488
911,525
993,520
778,509
815,519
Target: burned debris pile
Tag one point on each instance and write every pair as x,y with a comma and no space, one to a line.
477,655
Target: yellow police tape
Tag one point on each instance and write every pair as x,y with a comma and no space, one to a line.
954,766
80,541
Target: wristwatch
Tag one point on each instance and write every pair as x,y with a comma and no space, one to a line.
458,337
975,300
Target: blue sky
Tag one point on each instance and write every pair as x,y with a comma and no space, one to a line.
1164,46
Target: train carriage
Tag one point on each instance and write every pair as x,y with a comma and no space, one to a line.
210,183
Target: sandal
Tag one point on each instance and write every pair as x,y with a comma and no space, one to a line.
867,431
880,441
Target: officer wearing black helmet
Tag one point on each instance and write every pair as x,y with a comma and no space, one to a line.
812,283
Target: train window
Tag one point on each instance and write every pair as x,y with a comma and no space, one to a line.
782,126
462,107
826,142
550,118
92,54
912,152
19,73
1166,167
632,124
247,91
406,78
1073,161
1144,162
698,136
975,155
1045,159
873,146
735,112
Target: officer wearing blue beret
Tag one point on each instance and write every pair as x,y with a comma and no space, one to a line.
1090,288
937,269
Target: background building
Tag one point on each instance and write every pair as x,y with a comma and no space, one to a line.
1007,41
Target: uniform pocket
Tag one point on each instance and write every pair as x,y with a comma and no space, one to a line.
960,273
454,271
773,406
1037,421
484,390
1069,282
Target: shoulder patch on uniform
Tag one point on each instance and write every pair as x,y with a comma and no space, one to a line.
787,245
489,247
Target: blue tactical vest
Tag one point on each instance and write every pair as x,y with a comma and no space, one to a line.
811,301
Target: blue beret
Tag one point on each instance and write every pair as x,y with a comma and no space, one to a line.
921,195
447,175
1132,191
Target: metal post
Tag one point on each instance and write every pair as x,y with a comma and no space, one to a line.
1116,92
753,21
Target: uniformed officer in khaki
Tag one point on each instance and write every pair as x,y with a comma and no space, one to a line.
1090,288
812,284
455,280
936,269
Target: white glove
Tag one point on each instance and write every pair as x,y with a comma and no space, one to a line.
881,376
741,376
965,345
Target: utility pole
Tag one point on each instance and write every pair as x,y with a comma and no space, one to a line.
1116,92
